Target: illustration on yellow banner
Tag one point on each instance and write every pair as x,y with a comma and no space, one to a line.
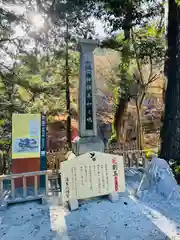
26,134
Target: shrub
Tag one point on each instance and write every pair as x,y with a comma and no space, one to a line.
175,166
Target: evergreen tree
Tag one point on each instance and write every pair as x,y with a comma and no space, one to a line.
33,78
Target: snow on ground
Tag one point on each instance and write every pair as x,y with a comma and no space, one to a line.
151,217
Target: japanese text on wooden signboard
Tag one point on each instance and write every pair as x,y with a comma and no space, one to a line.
92,174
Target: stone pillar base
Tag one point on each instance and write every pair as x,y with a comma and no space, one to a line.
87,144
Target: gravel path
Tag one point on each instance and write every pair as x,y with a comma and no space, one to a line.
130,219
98,219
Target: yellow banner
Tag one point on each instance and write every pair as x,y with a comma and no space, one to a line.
26,135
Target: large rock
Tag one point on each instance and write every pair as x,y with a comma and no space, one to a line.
158,177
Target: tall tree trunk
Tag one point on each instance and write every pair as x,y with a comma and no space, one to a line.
164,90
139,129
170,132
124,98
118,119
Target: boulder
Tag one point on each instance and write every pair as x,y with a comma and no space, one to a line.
158,177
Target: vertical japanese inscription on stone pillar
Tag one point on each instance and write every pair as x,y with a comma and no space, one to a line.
89,101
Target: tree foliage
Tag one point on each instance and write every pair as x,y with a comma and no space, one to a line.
32,63
124,16
146,51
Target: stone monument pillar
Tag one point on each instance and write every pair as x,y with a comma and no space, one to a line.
89,141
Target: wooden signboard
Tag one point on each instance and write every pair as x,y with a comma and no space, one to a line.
92,174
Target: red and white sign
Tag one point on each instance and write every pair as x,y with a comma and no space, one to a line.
115,173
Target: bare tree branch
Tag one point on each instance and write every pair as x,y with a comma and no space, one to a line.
153,78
